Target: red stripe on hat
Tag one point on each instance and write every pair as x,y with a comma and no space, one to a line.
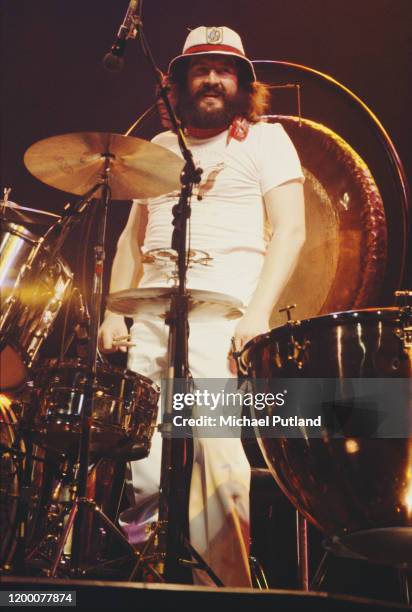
212,48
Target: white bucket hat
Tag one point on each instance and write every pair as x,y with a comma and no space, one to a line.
217,40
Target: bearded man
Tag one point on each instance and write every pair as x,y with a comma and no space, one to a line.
248,215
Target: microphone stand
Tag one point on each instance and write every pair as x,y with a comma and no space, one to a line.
168,534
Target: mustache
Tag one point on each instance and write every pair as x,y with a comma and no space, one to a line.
211,89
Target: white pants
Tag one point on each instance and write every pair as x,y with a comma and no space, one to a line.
219,489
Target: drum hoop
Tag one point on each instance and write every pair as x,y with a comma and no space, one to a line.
390,313
76,363
20,231
360,314
36,241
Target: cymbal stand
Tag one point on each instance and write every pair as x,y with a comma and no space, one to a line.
75,517
168,533
81,503
58,232
56,528
81,506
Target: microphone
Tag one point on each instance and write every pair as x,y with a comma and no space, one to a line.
114,60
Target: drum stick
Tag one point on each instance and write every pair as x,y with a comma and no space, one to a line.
123,341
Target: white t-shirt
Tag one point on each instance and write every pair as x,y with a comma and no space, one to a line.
229,221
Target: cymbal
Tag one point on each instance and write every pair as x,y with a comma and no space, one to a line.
167,256
130,302
11,212
74,163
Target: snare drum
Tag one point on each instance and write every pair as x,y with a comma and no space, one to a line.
356,490
124,409
32,292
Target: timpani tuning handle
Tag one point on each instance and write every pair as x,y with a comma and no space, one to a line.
288,309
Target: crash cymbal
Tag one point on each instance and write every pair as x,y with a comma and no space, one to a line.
10,212
131,301
75,162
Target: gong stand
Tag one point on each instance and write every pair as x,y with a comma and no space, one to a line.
169,532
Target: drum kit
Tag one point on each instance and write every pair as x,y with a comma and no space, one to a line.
49,405
43,400
69,423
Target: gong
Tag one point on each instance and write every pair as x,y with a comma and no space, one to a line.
342,262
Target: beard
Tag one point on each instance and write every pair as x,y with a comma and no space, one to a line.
191,112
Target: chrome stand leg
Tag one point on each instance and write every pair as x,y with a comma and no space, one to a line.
319,574
302,551
404,587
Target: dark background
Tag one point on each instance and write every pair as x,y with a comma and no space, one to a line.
54,82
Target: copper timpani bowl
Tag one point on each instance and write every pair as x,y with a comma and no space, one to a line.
357,491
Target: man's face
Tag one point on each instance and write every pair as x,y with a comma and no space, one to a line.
212,87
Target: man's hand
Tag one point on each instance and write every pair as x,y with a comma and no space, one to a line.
250,325
113,334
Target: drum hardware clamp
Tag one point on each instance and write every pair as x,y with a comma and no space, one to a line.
405,335
295,349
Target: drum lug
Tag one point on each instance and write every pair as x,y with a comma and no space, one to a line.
405,332
296,352
405,336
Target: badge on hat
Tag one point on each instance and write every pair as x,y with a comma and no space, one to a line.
214,36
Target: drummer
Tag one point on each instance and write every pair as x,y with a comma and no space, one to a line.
248,215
